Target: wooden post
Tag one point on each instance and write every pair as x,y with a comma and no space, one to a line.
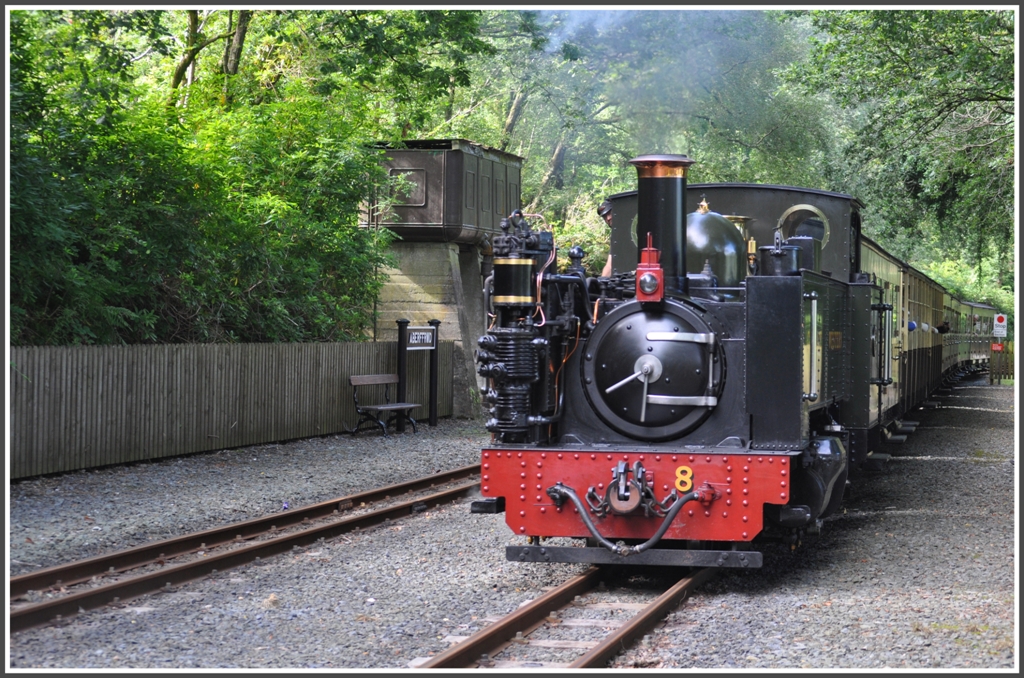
434,370
403,369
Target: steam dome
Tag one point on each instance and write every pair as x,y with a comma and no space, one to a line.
712,238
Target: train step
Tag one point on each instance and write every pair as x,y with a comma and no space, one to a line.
893,438
906,427
875,461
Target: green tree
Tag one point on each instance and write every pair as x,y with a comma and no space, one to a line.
933,98
293,160
401,60
97,195
233,215
598,88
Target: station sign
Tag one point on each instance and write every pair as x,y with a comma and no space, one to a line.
997,347
421,338
999,325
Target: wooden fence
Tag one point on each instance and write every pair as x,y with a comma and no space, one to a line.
86,406
1000,364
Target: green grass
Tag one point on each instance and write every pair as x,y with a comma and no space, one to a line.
982,454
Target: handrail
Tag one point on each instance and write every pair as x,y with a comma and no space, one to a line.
815,387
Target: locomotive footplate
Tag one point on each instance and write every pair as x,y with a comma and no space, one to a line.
602,556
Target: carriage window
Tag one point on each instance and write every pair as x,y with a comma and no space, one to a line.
855,240
804,220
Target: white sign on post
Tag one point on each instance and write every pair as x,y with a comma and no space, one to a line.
421,339
999,325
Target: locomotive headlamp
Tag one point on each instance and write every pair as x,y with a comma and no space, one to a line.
650,277
648,283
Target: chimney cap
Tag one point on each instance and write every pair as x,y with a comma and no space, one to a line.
671,158
648,166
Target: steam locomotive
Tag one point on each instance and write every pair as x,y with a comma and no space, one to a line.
719,387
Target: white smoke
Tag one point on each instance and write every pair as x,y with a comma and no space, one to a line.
567,23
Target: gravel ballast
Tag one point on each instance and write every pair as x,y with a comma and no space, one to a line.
917,573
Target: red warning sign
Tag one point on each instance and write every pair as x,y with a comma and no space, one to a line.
999,325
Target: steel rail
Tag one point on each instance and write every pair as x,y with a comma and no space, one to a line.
624,637
486,641
494,638
42,613
121,561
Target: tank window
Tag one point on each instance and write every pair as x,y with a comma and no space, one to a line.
499,197
414,194
470,188
804,220
485,193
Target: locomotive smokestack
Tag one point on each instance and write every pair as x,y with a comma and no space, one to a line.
661,211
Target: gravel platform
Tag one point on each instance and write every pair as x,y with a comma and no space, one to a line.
918,573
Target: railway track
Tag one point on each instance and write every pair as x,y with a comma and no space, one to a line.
216,550
506,639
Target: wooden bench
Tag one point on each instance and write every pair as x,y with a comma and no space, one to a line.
378,414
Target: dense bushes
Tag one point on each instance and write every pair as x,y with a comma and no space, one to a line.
227,211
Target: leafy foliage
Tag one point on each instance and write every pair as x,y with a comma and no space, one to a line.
97,197
934,124
608,86
196,175
231,215
284,259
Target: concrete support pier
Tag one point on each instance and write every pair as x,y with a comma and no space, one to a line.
439,280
